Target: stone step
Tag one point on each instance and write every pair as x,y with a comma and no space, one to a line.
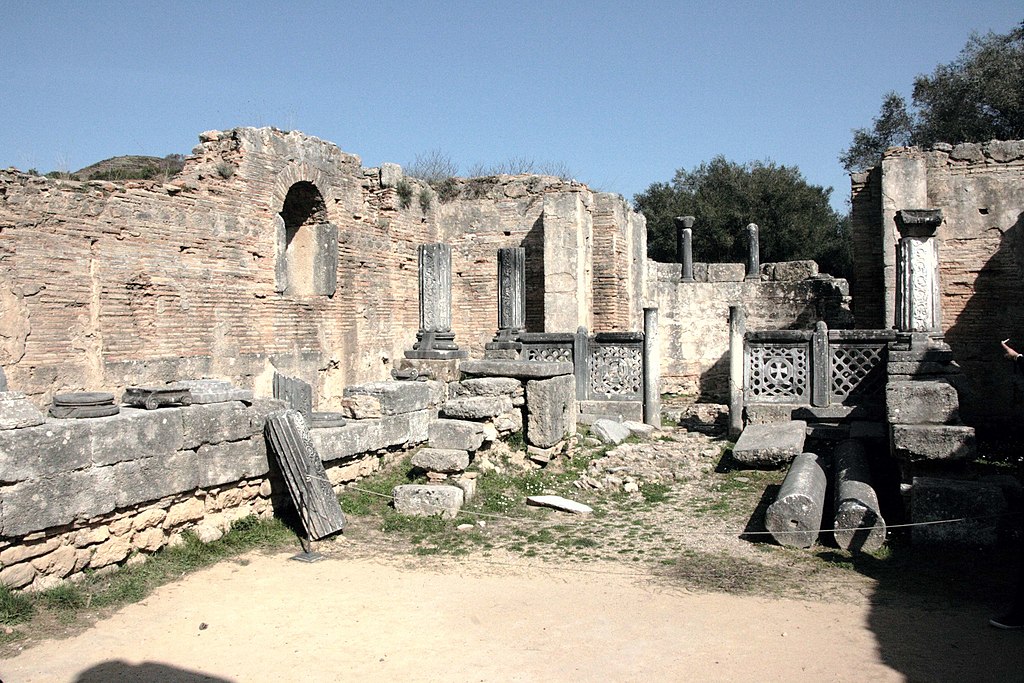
933,443
770,444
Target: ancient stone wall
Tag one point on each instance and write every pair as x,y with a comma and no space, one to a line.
278,251
88,494
980,190
693,336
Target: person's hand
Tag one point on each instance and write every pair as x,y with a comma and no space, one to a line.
1010,353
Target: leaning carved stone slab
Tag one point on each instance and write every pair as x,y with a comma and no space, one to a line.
152,398
288,438
16,411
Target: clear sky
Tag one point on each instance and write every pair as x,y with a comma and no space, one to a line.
622,93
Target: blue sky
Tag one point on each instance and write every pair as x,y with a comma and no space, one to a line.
621,93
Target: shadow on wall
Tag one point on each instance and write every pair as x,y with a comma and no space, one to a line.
116,671
991,394
714,382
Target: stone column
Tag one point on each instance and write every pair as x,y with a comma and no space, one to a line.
821,366
435,339
754,256
684,245
917,277
737,330
652,369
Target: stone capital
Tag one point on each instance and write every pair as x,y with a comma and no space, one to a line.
918,222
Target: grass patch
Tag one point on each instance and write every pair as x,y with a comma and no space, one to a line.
374,493
15,608
722,572
654,492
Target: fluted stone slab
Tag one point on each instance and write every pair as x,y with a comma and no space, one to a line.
288,439
427,500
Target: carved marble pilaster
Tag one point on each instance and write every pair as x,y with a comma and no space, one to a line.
435,338
511,302
917,272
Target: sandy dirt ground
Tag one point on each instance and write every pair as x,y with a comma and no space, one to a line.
403,618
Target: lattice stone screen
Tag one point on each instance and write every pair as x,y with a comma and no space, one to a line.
612,367
819,368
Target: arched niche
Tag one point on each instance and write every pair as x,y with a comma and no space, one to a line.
307,244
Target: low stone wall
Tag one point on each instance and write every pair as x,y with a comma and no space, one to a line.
693,317
93,493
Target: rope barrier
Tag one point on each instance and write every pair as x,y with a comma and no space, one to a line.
704,532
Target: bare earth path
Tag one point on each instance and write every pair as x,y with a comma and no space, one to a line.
356,617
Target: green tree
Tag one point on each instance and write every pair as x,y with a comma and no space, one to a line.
795,218
977,97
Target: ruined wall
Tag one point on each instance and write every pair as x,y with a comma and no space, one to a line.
980,190
87,494
693,336
276,250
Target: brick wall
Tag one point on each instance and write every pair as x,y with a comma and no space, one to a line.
980,190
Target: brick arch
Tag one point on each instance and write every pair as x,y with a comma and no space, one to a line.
306,255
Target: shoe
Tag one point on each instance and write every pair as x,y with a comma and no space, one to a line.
1012,621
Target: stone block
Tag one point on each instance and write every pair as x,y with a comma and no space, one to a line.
56,500
17,412
980,504
26,551
184,512
935,443
366,436
50,448
147,479
456,434
446,461
18,575
726,272
619,411
476,407
390,174
550,410
509,422
1004,150
640,429
134,433
395,398
230,461
427,500
148,518
217,422
468,486
770,444
921,402
521,369
488,386
610,431
439,370
361,407
790,271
